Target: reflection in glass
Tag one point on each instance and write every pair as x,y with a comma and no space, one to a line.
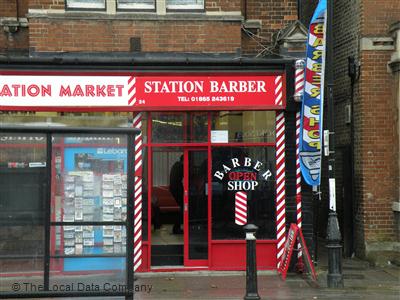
167,127
107,273
198,208
197,129
166,207
185,4
246,126
261,207
86,4
179,127
135,4
23,188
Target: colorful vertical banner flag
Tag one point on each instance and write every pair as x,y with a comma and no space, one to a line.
312,107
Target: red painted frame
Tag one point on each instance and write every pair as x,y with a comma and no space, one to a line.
195,265
208,145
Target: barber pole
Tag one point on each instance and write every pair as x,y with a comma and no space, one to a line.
280,185
300,265
137,232
298,95
278,90
299,80
241,208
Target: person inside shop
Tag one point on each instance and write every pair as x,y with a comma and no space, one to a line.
176,189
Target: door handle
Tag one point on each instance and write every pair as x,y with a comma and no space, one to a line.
185,207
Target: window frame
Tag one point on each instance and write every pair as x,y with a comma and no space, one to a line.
82,8
186,8
133,9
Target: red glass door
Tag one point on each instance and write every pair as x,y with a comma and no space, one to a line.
195,207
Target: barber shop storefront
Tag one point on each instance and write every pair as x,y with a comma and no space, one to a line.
210,158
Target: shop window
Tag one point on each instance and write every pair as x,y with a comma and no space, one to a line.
252,173
246,126
185,4
136,4
75,119
179,127
22,210
85,4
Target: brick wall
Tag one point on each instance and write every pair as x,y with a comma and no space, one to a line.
375,146
378,152
204,36
223,5
18,40
7,8
376,16
47,4
14,42
275,15
346,29
106,35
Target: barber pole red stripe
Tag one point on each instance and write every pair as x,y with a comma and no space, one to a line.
132,90
280,185
298,180
299,82
278,90
241,208
137,232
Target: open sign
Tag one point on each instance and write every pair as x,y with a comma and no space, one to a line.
243,176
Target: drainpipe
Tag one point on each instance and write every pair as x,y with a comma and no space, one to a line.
299,10
17,10
394,64
354,74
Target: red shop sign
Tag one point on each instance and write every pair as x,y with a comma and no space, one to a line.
143,92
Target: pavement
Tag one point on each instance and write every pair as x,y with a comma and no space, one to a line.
361,281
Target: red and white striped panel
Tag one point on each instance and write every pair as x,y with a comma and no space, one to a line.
280,185
279,90
132,90
298,180
299,81
241,208
137,231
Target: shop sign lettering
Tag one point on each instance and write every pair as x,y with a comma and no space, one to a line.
141,92
242,175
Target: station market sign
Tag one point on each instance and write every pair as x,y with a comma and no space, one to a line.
141,92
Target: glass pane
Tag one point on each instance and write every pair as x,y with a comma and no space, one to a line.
135,4
197,127
246,126
247,169
22,206
185,4
166,207
95,274
198,208
145,179
86,4
93,178
177,127
167,127
88,240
